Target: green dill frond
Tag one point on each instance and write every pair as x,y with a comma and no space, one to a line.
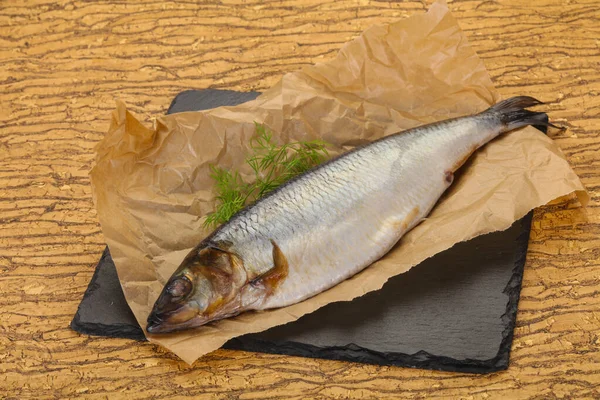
273,165
230,188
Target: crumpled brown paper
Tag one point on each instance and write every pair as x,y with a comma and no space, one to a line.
152,186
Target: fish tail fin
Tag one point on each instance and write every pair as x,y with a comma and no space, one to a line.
515,104
513,113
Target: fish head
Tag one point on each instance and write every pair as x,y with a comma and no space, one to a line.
205,287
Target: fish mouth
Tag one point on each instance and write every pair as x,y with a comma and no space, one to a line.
165,322
156,324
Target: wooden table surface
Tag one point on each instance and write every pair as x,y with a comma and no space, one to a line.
64,63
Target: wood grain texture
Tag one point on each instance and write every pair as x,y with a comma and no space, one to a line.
63,64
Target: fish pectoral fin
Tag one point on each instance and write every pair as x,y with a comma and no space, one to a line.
271,279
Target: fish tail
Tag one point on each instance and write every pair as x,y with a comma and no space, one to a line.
516,103
513,113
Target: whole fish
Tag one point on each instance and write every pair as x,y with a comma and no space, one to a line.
328,224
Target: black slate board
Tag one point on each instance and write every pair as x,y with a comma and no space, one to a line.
455,311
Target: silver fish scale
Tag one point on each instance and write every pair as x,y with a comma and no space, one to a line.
342,216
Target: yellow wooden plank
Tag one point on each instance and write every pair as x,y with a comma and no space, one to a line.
64,63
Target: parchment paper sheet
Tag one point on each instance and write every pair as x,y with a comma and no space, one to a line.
152,186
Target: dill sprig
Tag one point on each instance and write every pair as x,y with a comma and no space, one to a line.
272,165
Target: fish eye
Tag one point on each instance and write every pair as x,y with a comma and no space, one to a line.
179,287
